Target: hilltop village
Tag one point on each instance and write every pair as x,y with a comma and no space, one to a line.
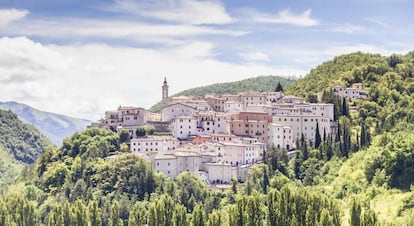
219,137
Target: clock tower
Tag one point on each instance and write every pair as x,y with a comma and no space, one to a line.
165,93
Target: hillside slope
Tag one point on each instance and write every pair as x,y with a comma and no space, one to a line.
19,144
54,126
261,83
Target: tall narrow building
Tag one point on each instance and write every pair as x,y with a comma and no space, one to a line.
165,93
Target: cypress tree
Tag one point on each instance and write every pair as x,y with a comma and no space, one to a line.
265,179
279,87
115,219
355,213
94,214
214,219
179,217
345,108
198,216
317,136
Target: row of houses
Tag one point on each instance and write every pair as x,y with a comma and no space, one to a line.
219,137
216,158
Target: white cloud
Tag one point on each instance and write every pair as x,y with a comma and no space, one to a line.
255,56
8,16
348,28
283,17
86,80
181,11
139,32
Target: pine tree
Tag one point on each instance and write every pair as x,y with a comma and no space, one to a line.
279,87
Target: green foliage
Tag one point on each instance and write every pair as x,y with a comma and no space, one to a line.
20,144
22,141
191,191
394,152
296,206
261,83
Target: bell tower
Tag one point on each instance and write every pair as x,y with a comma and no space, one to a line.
165,93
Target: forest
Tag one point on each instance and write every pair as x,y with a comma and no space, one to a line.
360,176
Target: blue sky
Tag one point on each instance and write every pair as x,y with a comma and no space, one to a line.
81,57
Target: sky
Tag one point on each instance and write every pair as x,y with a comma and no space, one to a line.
81,58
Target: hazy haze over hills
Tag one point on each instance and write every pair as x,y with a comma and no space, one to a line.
54,126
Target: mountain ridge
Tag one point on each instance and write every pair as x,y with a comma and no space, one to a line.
54,126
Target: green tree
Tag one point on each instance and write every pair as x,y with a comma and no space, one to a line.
137,215
123,136
355,213
115,219
179,217
279,87
215,219
140,132
318,139
199,216
94,214
55,216
78,216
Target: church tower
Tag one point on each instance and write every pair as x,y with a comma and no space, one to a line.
165,93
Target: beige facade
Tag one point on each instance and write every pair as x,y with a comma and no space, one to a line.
253,98
211,122
125,117
216,103
304,124
174,163
281,136
154,143
219,173
354,92
183,127
172,111
252,128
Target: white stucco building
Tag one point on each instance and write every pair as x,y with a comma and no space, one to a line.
304,124
281,136
154,143
171,164
184,126
211,122
356,91
176,110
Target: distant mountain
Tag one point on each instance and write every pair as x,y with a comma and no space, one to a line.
261,83
54,126
19,144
